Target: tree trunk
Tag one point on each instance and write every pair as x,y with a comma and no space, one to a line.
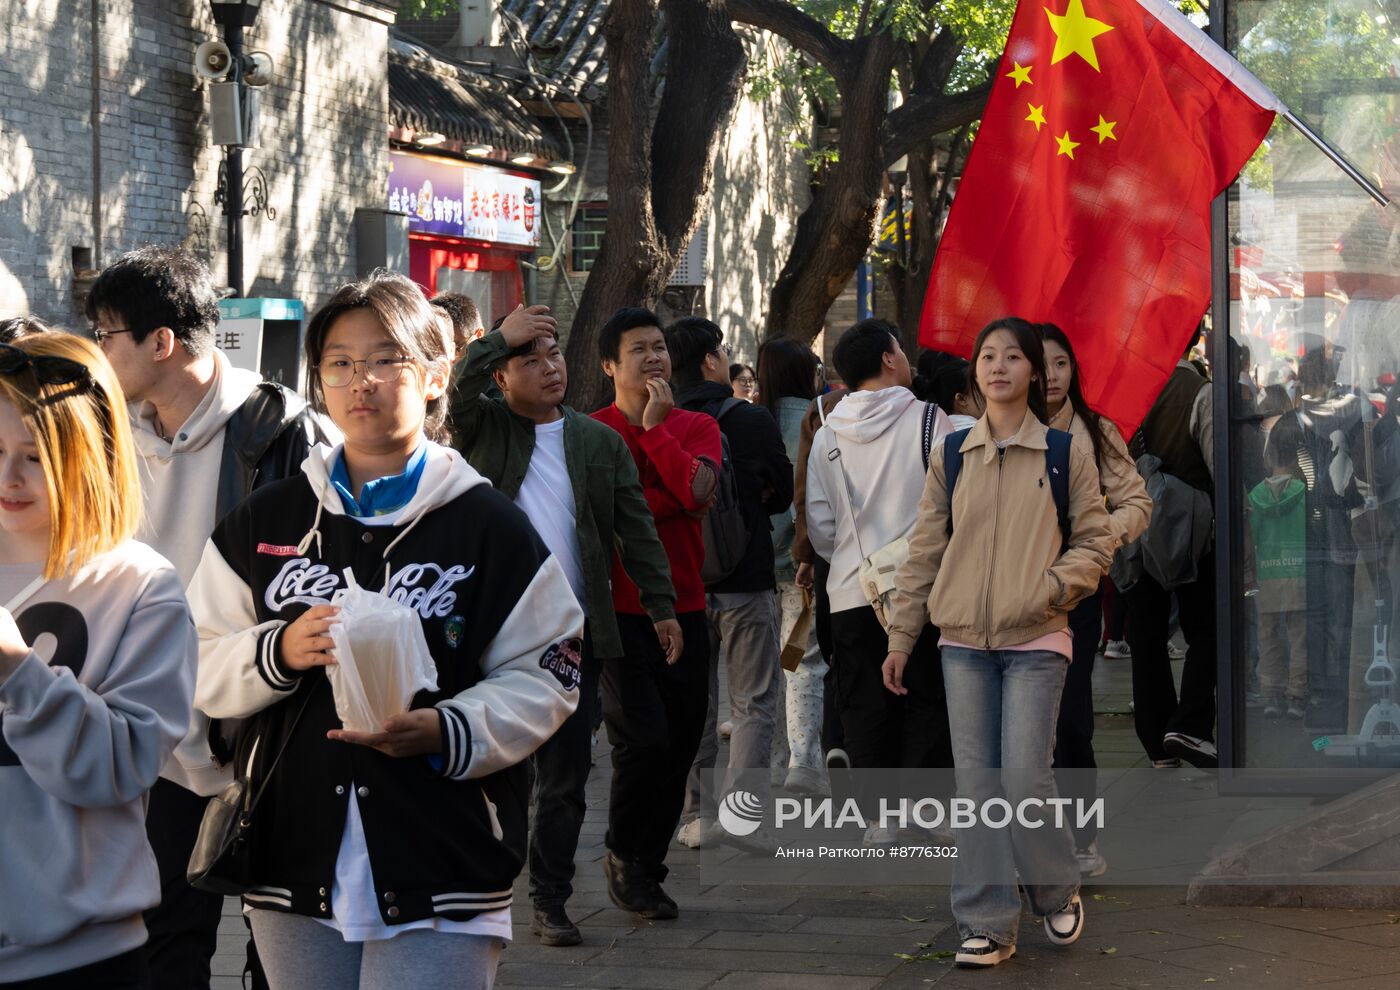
834,232
659,178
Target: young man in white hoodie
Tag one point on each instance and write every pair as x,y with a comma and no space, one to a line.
207,434
859,500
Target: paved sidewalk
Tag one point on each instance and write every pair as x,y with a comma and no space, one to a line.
849,938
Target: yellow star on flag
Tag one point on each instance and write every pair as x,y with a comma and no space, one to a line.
1105,130
1066,145
1037,115
1021,73
1075,32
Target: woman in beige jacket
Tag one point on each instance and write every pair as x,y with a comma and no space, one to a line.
992,569
1129,509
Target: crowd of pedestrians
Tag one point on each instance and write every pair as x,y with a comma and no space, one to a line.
932,548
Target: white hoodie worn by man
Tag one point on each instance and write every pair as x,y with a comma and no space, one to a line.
880,436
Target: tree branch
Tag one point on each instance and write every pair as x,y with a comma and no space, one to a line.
923,116
800,30
937,63
704,70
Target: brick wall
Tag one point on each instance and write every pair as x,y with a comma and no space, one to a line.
324,149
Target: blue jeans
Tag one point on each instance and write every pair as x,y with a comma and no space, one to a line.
1002,707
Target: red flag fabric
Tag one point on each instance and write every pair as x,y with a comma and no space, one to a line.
1111,126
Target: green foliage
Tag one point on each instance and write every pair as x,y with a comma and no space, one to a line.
426,8
1303,51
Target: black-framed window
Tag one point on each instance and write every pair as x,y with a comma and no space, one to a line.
586,236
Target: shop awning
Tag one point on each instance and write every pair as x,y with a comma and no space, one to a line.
431,94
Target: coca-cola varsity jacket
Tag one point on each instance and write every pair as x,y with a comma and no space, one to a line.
445,836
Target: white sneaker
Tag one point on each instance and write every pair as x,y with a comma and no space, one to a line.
1091,861
726,729
696,832
980,953
838,759
880,835
1117,649
1064,927
1175,652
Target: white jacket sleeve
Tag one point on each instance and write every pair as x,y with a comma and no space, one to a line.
101,745
239,672
821,515
531,683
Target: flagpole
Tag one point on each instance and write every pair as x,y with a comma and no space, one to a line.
1336,156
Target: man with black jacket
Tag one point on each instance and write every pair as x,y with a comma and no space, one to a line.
208,434
742,607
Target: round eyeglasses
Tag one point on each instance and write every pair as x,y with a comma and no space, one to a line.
382,368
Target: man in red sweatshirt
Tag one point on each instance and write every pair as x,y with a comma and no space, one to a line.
655,698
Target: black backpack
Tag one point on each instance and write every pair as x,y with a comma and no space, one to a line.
1057,449
726,532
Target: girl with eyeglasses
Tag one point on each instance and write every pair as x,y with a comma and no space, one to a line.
744,382
385,858
97,662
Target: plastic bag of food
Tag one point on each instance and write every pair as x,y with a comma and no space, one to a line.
382,659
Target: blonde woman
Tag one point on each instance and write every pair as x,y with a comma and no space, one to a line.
97,662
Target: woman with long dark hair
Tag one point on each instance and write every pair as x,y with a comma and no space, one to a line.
787,383
1129,509
991,565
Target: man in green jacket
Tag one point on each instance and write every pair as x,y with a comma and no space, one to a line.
576,481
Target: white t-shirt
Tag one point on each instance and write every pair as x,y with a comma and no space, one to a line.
547,497
355,907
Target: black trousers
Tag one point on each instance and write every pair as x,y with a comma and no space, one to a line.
881,728
557,799
1156,708
655,713
1074,731
124,972
184,926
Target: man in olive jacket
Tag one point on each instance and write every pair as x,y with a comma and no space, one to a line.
576,481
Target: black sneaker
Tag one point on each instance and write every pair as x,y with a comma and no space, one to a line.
553,926
631,889
838,759
662,908
628,886
1200,753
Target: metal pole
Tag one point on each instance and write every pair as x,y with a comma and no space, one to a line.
1336,156
233,169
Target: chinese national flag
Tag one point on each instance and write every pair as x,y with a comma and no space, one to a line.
1111,126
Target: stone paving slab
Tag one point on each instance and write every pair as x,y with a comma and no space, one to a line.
814,937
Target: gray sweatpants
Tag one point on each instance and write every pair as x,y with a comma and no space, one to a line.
300,953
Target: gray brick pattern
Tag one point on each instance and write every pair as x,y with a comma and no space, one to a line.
324,153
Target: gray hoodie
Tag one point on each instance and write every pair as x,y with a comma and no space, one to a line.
85,723
880,436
